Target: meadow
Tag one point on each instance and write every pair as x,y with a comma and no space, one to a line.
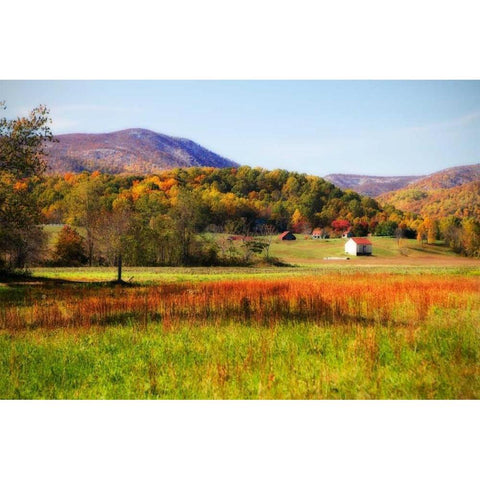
402,324
333,331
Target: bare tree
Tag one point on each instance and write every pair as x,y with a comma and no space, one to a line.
269,232
115,225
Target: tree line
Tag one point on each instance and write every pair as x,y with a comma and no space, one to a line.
171,218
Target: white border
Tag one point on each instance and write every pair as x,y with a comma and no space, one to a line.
251,39
239,40
239,440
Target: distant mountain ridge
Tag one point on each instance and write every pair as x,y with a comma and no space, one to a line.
378,186
134,151
452,191
449,177
369,184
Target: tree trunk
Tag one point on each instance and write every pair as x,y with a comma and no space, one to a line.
119,271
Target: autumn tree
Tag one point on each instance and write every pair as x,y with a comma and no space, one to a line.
421,234
471,237
360,228
185,214
452,233
115,225
299,223
431,227
22,162
340,225
84,206
70,248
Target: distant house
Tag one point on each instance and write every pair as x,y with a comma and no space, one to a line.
287,236
320,233
358,246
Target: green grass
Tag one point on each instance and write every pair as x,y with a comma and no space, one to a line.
308,251
304,256
289,361
152,275
437,358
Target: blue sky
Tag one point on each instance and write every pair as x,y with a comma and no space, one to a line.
318,127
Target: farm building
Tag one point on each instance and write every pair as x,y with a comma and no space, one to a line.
287,236
317,233
358,246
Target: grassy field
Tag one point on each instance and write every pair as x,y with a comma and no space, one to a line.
302,256
306,251
243,362
356,334
402,324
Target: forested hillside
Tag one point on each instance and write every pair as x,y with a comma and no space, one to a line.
449,178
462,201
156,219
454,191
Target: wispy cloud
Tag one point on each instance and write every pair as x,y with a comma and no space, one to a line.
463,121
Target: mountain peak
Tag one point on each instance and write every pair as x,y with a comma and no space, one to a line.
134,151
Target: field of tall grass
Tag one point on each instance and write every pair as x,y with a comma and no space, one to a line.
333,335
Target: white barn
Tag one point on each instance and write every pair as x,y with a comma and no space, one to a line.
358,246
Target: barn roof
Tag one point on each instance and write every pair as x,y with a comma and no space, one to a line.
361,240
318,231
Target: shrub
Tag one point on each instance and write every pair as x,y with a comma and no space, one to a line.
70,248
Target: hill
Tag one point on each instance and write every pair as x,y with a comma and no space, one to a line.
376,186
461,201
370,185
134,151
449,178
454,191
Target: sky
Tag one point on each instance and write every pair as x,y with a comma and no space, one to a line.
317,127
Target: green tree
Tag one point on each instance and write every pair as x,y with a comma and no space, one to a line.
185,216
22,143
22,162
84,206
386,228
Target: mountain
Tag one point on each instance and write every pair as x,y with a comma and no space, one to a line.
448,178
134,151
453,191
370,185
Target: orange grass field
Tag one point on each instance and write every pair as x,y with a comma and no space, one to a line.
357,335
335,298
